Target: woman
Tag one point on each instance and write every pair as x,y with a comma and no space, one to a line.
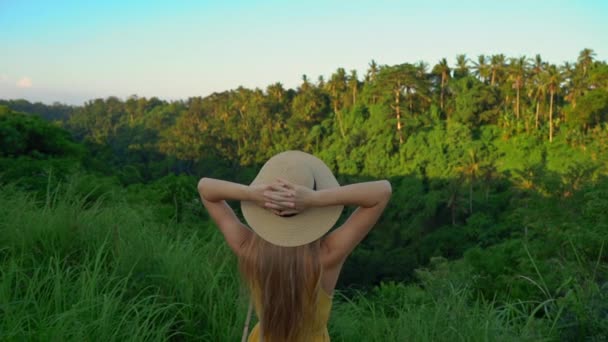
289,263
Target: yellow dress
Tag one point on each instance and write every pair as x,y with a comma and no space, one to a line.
319,331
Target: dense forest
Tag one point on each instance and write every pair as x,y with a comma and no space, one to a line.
499,214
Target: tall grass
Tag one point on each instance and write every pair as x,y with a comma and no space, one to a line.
400,312
77,267
72,269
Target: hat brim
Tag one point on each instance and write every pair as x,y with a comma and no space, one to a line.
308,225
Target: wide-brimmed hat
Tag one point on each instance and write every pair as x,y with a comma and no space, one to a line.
309,225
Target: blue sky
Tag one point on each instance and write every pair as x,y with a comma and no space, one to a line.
72,51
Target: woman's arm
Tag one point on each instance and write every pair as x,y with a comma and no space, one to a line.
214,193
215,190
371,199
365,195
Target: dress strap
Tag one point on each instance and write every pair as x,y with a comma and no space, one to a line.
247,321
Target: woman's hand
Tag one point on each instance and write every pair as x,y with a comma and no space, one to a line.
286,198
271,197
257,194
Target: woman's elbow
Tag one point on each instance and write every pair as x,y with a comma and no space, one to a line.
387,189
201,185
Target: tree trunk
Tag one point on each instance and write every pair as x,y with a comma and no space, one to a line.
551,117
339,117
537,112
443,77
398,112
517,105
411,105
470,198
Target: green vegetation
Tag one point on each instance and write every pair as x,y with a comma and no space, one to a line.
497,229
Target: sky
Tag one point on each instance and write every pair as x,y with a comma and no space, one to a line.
74,51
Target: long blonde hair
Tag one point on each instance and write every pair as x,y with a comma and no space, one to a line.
284,281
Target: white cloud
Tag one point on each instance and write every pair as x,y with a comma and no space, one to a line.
24,82
3,78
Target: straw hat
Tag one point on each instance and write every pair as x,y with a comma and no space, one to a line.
307,226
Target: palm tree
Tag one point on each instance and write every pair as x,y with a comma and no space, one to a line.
539,89
552,80
470,171
462,69
537,64
443,70
321,82
305,83
337,87
402,81
576,82
278,105
372,71
416,84
353,85
517,74
454,198
276,91
410,83
489,174
482,69
421,69
370,78
585,59
497,64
